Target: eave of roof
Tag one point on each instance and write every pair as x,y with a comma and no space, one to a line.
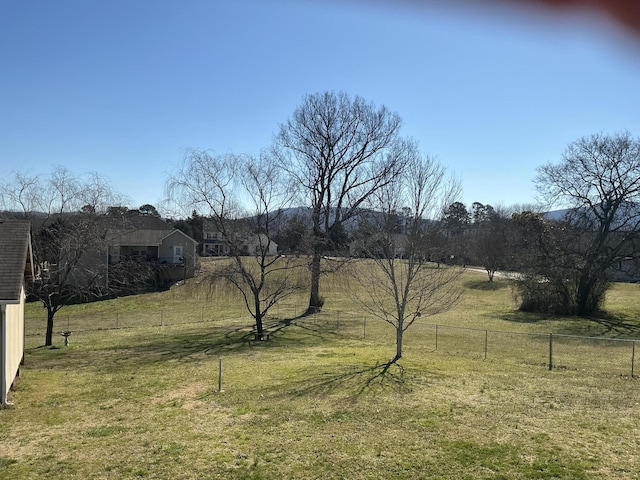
15,252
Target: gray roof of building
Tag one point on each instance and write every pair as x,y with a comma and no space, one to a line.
15,238
138,230
141,231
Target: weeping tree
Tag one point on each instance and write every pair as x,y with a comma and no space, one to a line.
243,198
70,235
400,281
338,151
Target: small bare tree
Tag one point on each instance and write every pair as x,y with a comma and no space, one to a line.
69,232
401,282
219,187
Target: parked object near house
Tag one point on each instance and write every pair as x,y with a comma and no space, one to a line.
16,268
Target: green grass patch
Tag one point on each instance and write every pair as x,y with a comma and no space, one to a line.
319,400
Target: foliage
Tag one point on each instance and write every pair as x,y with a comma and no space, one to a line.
489,238
191,225
455,221
292,235
599,178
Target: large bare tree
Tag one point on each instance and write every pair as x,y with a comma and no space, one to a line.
598,179
244,199
339,151
69,231
401,283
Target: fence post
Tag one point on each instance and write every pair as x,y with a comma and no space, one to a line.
551,351
486,343
633,358
220,374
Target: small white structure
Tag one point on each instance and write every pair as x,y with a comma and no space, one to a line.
259,244
16,267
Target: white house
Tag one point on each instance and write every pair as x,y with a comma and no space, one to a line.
214,243
16,267
259,243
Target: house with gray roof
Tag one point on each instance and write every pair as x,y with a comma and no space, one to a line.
16,268
147,238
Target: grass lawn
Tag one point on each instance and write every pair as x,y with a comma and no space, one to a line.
316,401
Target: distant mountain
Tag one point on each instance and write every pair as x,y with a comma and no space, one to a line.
626,212
556,214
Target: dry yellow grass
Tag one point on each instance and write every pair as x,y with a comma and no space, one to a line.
316,402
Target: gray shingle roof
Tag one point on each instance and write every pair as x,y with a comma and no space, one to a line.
15,238
138,231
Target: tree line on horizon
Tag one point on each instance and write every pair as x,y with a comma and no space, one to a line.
369,191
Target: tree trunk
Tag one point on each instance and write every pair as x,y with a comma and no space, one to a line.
259,327
258,317
315,303
399,336
585,303
48,339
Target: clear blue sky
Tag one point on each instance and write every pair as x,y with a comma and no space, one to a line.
124,87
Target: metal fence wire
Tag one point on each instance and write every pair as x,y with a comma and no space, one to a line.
552,351
612,356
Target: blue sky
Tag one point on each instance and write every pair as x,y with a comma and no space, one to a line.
123,88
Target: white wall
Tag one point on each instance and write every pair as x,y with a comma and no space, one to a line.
12,343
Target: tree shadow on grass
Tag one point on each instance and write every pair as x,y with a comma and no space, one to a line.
603,325
616,325
518,316
307,323
486,285
356,381
192,343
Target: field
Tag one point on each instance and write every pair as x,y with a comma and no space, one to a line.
317,401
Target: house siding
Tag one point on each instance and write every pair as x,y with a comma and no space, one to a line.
167,252
12,343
